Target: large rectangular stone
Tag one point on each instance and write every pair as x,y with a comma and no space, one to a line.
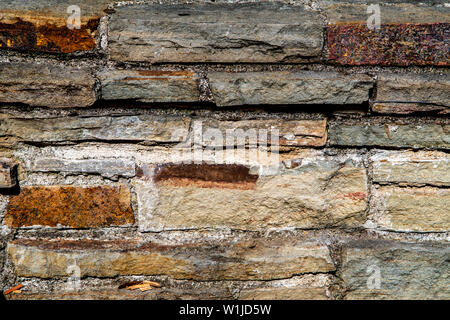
150,86
253,259
380,269
409,34
387,133
411,168
47,85
145,128
411,209
316,192
42,25
215,32
408,93
70,206
302,87
281,132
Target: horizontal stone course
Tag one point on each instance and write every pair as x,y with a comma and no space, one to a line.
44,84
411,168
215,32
70,206
407,270
302,87
408,93
388,133
149,86
256,259
411,209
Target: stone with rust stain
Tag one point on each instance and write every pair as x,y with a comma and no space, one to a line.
411,209
253,259
41,25
410,34
216,133
8,173
318,193
70,206
408,93
415,271
150,86
48,85
302,87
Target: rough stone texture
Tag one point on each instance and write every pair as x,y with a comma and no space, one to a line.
41,25
70,206
46,85
121,128
256,259
403,94
410,34
317,193
150,86
411,209
106,167
247,132
408,270
206,32
411,168
387,133
8,173
303,87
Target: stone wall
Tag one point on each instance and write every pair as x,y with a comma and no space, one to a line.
225,149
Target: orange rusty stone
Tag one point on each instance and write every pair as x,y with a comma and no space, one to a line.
47,37
400,44
70,206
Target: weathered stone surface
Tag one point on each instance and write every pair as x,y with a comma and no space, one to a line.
105,167
307,287
207,32
46,85
41,25
150,86
255,259
274,132
303,87
316,193
386,133
409,34
122,128
407,270
411,209
411,168
403,94
70,206
8,173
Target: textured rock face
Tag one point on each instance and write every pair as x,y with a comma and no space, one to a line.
412,93
42,25
8,172
122,128
407,270
320,193
46,85
255,259
150,86
412,209
386,133
305,87
411,168
205,32
69,206
396,42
